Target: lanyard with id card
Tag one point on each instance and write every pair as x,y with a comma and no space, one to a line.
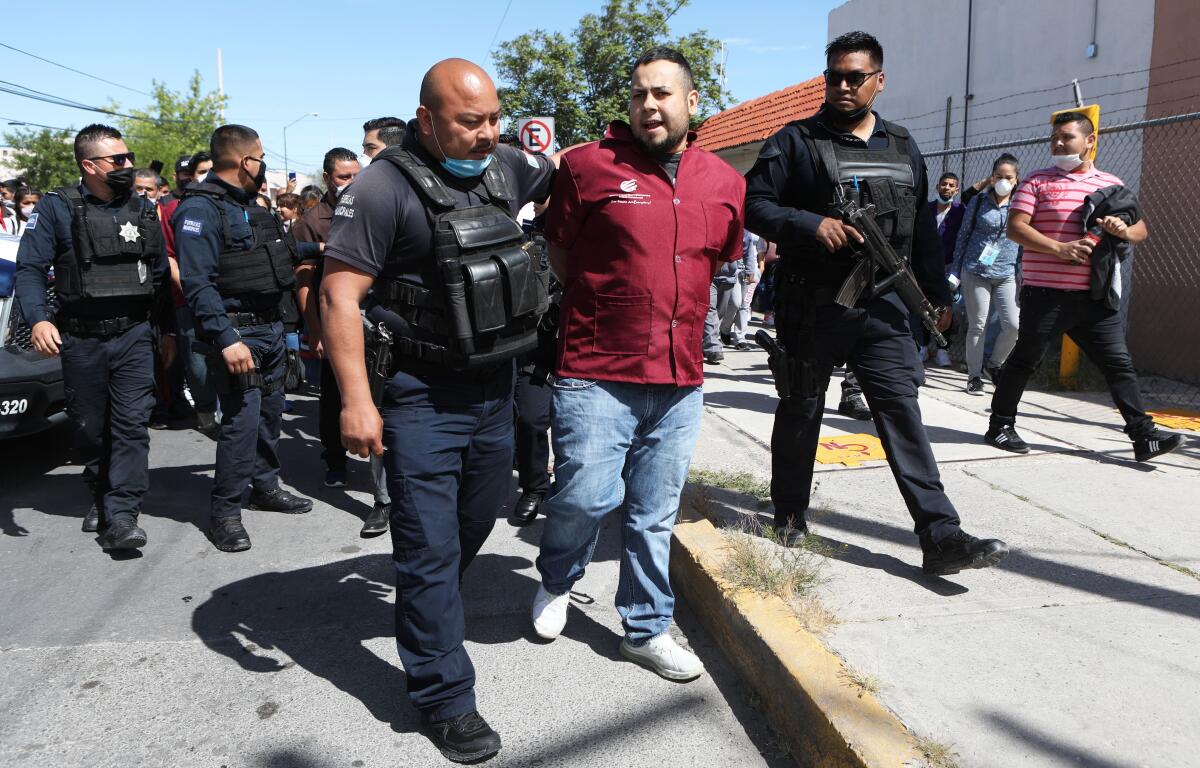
991,251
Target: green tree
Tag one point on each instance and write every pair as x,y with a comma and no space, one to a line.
176,123
583,80
44,158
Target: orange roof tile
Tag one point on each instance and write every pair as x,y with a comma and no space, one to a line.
758,119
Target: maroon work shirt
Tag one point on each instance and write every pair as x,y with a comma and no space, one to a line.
642,255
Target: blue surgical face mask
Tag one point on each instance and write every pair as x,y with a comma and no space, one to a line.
463,169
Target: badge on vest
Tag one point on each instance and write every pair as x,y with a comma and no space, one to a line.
129,233
191,226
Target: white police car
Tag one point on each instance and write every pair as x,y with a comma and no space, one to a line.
31,386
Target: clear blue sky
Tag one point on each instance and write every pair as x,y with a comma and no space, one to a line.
346,61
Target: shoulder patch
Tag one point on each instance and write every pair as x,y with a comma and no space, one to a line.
32,222
192,226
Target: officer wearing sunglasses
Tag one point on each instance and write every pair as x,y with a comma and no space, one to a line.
105,246
848,151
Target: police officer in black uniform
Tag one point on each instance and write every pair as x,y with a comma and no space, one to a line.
236,265
429,228
105,245
789,197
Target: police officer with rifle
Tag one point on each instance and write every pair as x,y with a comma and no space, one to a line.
429,228
237,269
105,246
839,192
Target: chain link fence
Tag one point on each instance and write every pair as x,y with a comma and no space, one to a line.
1157,159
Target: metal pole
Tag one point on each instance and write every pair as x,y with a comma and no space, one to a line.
221,84
285,160
967,95
946,138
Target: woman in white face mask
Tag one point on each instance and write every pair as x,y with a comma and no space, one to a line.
985,261
25,199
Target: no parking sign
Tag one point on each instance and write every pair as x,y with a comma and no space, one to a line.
536,134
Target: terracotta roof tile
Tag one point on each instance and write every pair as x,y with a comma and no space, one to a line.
758,119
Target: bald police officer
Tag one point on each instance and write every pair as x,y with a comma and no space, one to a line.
105,245
430,229
236,265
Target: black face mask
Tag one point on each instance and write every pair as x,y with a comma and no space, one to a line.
120,181
261,176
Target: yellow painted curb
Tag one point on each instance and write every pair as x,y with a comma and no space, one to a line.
801,685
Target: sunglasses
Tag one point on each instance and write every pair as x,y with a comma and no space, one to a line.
853,79
117,160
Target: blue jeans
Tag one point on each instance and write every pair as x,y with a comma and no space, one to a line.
619,444
195,367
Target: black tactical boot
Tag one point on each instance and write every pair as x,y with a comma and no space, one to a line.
526,510
960,551
855,406
91,520
279,500
123,533
464,739
228,535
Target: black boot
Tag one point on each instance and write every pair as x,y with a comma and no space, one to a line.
960,551
1156,443
463,739
855,406
228,535
91,520
376,522
279,500
123,533
526,510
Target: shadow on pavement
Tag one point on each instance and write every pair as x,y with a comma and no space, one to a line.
1047,744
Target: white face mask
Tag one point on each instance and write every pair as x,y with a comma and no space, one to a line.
1067,162
337,191
1003,187
364,161
200,179
26,210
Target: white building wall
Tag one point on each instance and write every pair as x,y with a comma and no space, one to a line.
1016,46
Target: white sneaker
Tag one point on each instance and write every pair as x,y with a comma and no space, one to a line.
942,359
666,657
549,613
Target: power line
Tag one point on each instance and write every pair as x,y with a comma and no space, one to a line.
30,93
72,69
36,125
498,26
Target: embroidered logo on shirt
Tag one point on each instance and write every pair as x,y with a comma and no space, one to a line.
33,217
192,226
344,211
629,186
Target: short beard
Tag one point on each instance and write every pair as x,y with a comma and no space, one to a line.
666,145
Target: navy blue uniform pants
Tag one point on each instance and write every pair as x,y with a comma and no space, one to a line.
1048,312
449,453
250,423
876,342
109,386
533,401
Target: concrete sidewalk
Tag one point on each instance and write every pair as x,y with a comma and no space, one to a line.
1083,648
283,656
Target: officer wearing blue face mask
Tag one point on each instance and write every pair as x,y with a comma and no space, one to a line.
429,230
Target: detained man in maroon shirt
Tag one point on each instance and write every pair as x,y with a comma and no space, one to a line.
637,225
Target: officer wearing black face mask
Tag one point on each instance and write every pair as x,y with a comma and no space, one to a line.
105,245
847,151
236,265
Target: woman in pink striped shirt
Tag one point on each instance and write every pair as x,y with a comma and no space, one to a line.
1047,220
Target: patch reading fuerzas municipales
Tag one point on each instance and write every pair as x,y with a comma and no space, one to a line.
192,226
344,207
629,194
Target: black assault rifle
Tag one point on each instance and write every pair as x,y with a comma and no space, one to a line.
878,256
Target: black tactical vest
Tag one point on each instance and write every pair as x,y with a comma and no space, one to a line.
112,254
880,177
487,287
267,267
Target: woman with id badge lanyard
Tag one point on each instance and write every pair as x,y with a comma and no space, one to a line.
985,262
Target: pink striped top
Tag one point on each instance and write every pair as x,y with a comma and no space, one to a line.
1054,201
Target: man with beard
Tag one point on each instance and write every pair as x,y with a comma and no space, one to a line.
429,228
637,225
111,286
848,151
236,264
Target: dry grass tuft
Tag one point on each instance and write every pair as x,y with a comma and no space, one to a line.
934,753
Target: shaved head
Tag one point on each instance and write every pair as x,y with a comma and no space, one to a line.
459,115
455,77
